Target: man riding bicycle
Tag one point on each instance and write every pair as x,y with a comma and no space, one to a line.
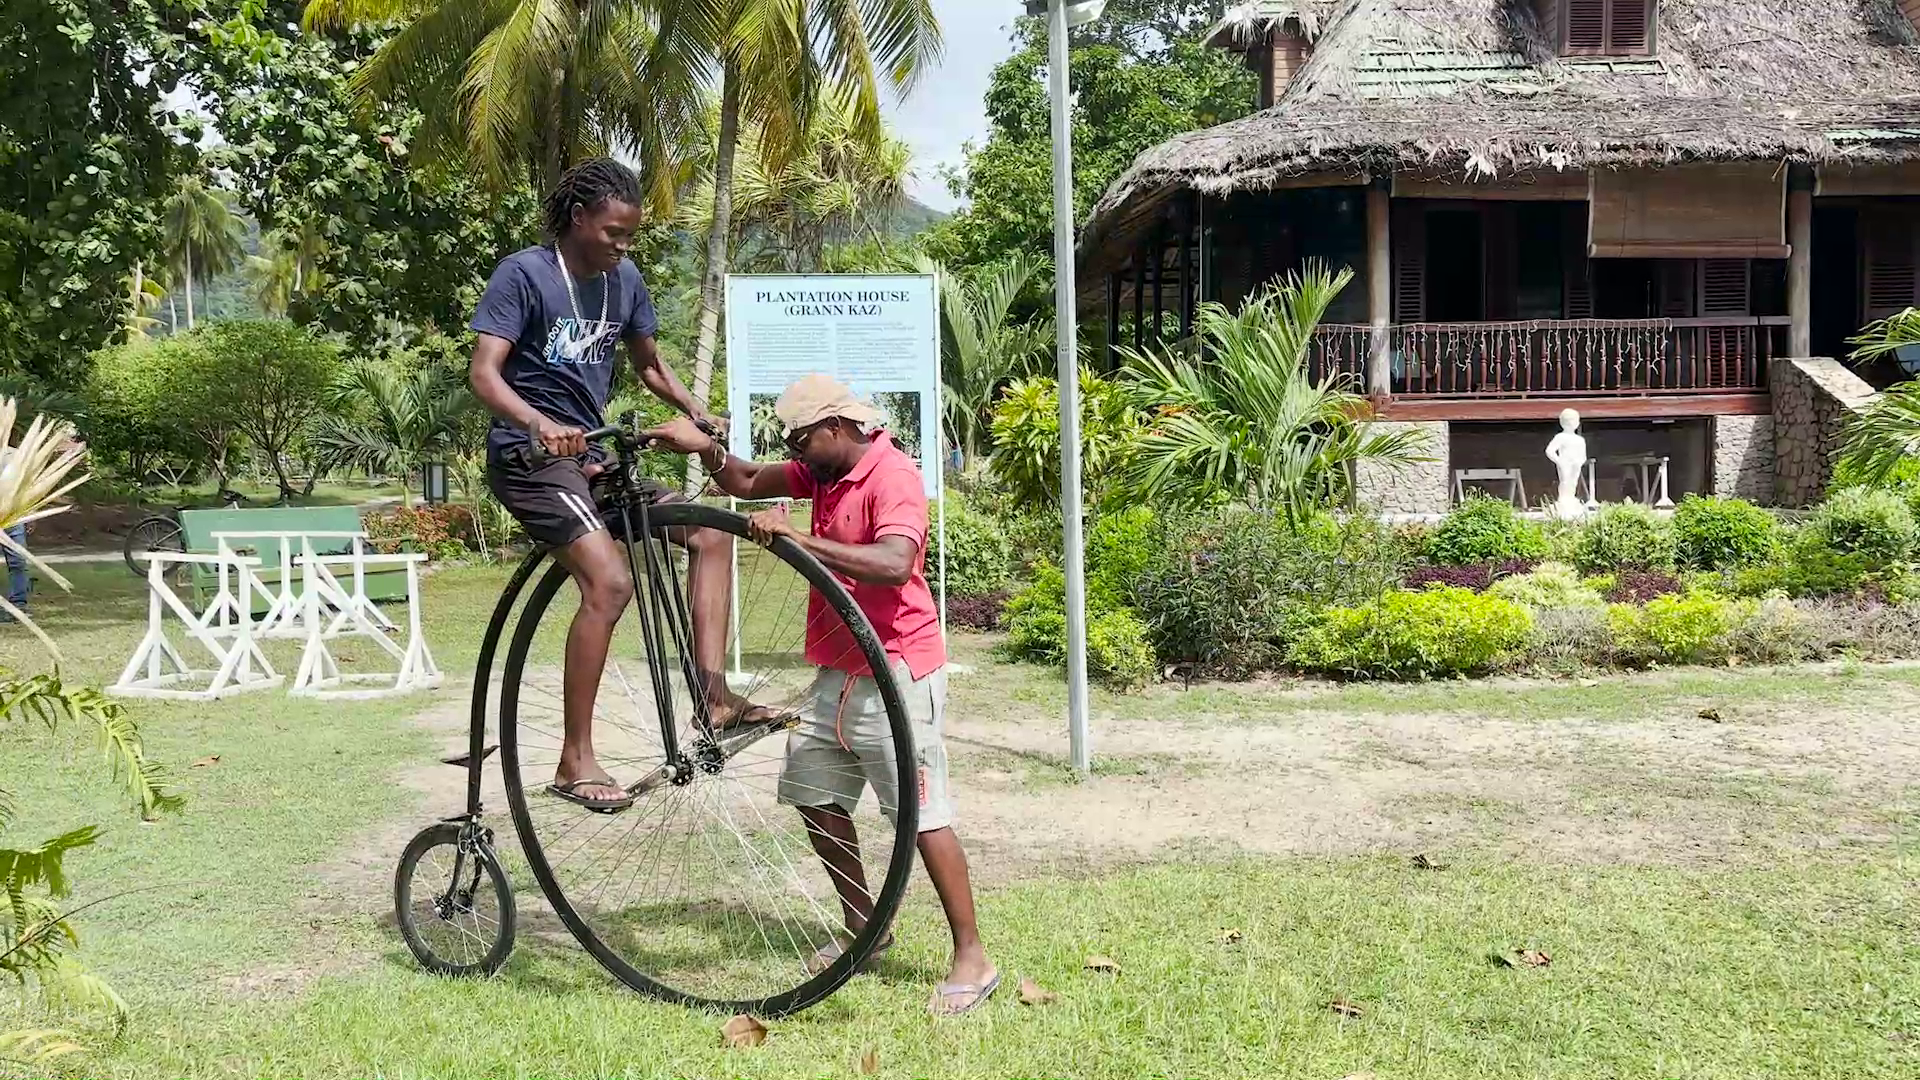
549,325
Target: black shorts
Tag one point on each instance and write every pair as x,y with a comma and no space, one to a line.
555,501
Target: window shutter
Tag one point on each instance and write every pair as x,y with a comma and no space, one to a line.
1409,264
1627,26
1725,287
1674,288
1586,25
1892,278
1607,27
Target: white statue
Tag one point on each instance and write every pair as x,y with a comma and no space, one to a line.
1568,452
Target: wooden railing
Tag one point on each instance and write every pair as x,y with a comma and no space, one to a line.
1562,357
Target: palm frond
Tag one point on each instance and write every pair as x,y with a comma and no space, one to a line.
36,1047
1885,435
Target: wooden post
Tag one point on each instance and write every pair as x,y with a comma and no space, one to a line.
1185,227
1113,321
1379,290
1799,266
1139,296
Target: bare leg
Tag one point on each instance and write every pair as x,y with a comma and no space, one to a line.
946,863
599,569
837,842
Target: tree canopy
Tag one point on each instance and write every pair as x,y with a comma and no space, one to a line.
1140,76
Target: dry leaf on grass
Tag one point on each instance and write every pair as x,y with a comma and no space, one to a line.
1427,862
1230,937
1357,1076
1032,994
1710,714
743,1030
1346,1008
210,759
1519,958
870,1061
1105,965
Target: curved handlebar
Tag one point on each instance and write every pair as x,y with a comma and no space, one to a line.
617,430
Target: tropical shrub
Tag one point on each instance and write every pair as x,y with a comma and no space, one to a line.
1689,628
1036,621
441,531
1026,438
1117,650
1475,576
1414,635
1247,422
1624,536
1873,524
1639,586
1121,545
1548,586
1483,529
979,556
981,612
1714,533
1228,591
37,933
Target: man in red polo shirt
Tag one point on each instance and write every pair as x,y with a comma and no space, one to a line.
870,528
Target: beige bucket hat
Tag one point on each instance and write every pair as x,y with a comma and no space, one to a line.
818,397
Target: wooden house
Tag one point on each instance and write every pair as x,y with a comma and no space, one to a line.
1648,210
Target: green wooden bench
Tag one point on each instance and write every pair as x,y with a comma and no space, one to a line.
199,526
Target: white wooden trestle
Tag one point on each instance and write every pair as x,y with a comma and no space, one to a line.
157,668
287,607
320,674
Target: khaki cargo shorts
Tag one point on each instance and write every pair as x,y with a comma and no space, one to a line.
844,743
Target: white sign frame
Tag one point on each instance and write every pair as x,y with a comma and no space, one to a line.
765,311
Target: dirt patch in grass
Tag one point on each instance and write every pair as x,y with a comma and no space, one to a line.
1770,776
1669,785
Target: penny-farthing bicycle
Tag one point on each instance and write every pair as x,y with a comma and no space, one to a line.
708,890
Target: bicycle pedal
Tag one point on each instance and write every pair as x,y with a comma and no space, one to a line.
463,760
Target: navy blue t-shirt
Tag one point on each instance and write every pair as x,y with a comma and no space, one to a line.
560,365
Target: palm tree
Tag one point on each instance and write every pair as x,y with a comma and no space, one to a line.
390,420
1244,420
983,347
522,89
289,267
774,56
144,293
204,238
840,185
1886,434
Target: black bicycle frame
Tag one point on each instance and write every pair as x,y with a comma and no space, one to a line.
665,610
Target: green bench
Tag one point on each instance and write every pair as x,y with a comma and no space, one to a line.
199,526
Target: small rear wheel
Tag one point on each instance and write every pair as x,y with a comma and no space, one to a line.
157,533
453,902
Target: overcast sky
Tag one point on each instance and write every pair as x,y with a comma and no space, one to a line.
949,106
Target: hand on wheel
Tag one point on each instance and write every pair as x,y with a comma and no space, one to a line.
765,525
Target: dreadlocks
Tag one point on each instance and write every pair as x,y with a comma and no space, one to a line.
589,184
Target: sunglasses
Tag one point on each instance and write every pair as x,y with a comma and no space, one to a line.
797,442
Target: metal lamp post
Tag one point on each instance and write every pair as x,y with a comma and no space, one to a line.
1062,15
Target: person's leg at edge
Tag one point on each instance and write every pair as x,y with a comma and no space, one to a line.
599,570
19,584
709,603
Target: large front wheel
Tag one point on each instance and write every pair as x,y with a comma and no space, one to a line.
712,889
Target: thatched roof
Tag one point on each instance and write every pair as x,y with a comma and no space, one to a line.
1475,85
1249,22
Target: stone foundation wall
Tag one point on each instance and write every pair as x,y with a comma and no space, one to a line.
1421,488
1743,465
1812,400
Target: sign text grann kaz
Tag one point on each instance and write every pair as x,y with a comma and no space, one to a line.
805,302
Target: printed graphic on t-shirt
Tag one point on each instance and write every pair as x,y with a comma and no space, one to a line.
581,341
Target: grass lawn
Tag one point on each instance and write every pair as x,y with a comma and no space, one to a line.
1731,898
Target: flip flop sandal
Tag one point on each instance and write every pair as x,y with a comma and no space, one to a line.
824,957
942,992
570,792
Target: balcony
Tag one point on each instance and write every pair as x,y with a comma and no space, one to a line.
1561,358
